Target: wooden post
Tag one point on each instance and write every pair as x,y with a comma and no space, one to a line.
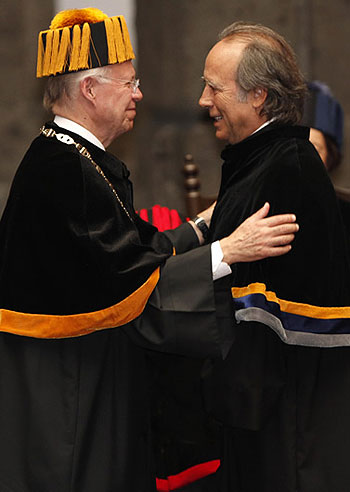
192,186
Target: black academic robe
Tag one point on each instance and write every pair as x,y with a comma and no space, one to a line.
283,400
84,287
344,206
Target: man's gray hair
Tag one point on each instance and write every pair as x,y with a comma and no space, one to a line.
268,62
63,88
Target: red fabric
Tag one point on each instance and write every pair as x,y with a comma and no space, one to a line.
163,218
188,476
175,219
143,214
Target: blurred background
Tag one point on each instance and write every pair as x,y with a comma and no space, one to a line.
171,39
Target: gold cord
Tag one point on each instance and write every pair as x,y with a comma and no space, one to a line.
50,132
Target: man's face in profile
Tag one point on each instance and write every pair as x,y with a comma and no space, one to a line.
234,116
117,98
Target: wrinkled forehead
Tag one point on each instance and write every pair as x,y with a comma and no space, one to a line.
124,70
224,56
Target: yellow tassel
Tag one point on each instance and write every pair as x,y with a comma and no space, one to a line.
129,52
118,40
93,48
62,56
39,67
75,49
47,54
54,50
85,47
57,53
112,54
71,17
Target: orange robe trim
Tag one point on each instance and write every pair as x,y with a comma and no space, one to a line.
75,325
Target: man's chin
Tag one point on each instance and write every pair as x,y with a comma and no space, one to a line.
220,135
129,125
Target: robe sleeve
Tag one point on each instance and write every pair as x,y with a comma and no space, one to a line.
183,238
187,313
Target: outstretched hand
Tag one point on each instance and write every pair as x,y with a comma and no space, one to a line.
260,237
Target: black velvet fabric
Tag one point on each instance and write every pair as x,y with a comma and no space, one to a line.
284,408
345,212
66,244
75,412
280,166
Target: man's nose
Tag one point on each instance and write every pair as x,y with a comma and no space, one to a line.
205,99
137,96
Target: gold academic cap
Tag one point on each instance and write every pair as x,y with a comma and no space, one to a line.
80,39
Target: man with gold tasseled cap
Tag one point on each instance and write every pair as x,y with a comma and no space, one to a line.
86,285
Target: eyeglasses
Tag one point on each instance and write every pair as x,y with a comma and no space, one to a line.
131,84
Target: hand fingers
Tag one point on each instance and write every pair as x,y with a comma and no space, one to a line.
278,250
283,229
282,240
275,220
262,212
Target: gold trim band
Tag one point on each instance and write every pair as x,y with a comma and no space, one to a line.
75,325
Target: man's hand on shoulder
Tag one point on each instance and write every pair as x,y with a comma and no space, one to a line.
260,237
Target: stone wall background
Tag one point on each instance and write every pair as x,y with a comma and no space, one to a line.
21,113
174,37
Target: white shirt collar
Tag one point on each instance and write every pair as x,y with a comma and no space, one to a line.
80,130
263,125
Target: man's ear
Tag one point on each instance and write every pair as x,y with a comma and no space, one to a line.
87,87
258,98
